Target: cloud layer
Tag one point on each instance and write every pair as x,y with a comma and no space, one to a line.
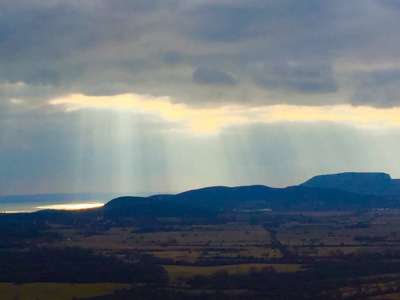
205,52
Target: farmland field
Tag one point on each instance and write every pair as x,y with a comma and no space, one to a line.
59,291
182,272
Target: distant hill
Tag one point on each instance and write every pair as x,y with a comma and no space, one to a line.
361,183
214,200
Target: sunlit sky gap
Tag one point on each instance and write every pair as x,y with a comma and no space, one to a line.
212,120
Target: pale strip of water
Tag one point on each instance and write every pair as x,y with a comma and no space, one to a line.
20,204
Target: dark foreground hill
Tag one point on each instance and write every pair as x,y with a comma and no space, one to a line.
318,194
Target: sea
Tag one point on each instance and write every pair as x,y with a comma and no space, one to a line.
32,203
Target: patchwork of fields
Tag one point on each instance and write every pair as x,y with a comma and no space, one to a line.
242,247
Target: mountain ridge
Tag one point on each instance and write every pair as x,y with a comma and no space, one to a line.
306,196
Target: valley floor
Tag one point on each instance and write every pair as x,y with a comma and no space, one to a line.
338,255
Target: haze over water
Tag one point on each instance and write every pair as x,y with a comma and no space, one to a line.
31,204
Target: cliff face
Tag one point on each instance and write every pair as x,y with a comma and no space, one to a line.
360,183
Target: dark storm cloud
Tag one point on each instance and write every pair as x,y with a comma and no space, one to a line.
235,20
298,78
391,4
204,75
56,42
378,88
288,47
171,57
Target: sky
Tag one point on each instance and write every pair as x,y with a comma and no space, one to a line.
151,96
